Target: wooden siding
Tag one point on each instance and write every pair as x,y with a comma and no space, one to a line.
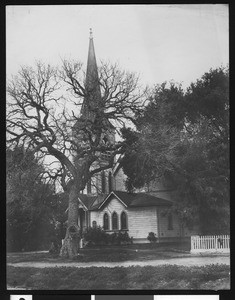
113,205
163,225
177,230
141,221
94,216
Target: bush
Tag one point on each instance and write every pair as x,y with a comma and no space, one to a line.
55,246
152,237
97,236
124,238
119,238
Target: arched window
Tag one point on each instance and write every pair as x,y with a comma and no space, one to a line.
123,220
103,182
110,182
89,186
114,221
106,222
170,222
94,224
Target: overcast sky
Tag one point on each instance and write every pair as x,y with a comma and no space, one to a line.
161,42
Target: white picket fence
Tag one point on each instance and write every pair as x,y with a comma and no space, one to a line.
215,243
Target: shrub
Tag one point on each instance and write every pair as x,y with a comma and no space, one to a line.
119,238
124,238
95,236
152,237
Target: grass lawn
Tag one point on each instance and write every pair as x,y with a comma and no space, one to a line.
119,278
108,253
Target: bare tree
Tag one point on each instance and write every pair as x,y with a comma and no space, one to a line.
58,113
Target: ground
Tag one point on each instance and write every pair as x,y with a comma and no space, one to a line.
126,267
180,261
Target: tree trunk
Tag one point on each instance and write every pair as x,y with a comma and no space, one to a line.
70,246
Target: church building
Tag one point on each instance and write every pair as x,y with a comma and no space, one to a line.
105,201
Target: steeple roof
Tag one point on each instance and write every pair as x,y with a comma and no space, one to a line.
93,93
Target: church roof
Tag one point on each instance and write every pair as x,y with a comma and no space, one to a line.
141,199
128,199
91,202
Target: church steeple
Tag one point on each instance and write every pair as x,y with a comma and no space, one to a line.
93,94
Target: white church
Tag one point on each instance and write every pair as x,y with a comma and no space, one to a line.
106,203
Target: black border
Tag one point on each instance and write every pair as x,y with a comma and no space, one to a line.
4,293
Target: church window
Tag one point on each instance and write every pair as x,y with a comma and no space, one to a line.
114,221
110,182
170,222
106,222
89,186
123,220
103,182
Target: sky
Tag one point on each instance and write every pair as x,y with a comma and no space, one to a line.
159,42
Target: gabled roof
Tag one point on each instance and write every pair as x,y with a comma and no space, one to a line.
86,200
99,199
127,199
91,202
136,199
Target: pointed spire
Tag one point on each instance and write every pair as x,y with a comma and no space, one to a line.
92,72
92,81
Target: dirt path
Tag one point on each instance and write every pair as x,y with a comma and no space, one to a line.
185,261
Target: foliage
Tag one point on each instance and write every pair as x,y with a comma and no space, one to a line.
98,236
58,206
28,198
119,238
157,137
95,236
135,277
55,247
152,237
182,140
139,168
